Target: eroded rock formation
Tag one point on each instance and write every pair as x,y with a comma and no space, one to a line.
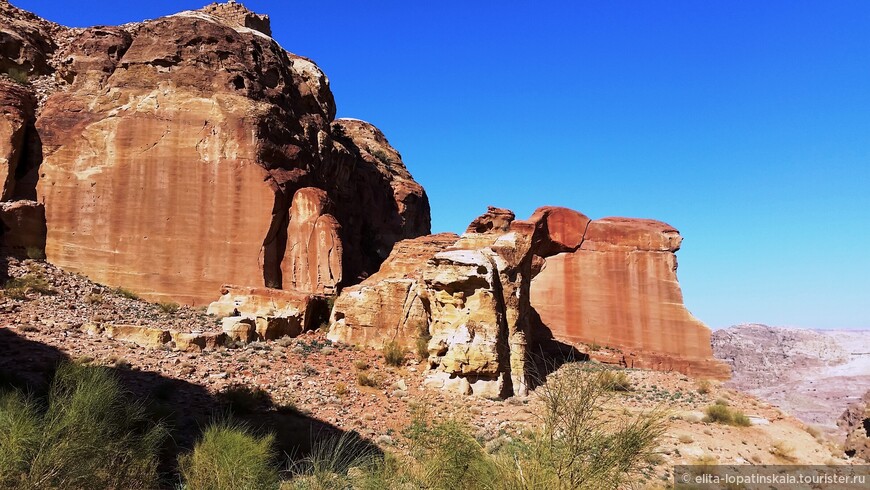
489,300
619,289
855,421
174,148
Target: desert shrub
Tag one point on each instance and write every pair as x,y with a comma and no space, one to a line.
339,462
361,365
125,293
19,287
382,156
168,307
422,341
341,389
703,386
722,414
35,253
615,380
243,399
783,450
449,456
18,76
86,434
394,354
576,448
229,457
365,379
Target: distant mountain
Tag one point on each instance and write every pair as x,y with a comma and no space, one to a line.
813,374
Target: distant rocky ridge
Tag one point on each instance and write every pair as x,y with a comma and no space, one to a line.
191,154
813,374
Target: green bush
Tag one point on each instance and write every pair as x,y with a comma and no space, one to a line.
87,434
615,381
243,399
338,463
125,293
168,307
721,414
228,457
18,75
19,287
394,354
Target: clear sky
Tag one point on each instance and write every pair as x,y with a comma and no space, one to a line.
744,124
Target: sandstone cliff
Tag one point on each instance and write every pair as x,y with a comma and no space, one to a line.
174,149
488,303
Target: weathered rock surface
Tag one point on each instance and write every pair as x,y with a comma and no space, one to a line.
507,287
313,258
813,374
855,422
387,306
25,41
619,289
23,228
173,150
250,314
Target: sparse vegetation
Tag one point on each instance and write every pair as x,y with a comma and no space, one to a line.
228,457
703,386
394,354
382,156
365,379
168,307
422,342
125,293
721,414
18,76
243,399
20,287
782,450
35,253
86,434
361,365
615,380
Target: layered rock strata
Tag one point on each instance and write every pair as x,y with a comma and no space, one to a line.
174,148
490,299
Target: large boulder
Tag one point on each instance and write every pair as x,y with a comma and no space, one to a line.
26,42
173,155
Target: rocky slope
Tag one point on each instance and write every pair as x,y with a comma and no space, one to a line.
813,374
171,151
313,384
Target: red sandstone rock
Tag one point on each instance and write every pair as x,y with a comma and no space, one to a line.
313,258
172,157
23,228
25,41
620,290
17,136
492,221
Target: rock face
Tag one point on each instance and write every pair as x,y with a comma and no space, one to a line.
25,41
22,221
620,289
388,306
173,150
855,422
488,300
312,262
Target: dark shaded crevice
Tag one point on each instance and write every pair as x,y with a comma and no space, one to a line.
27,171
275,243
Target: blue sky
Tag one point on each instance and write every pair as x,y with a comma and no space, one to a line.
744,124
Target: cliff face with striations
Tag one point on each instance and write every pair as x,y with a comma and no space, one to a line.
174,149
508,290
619,289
